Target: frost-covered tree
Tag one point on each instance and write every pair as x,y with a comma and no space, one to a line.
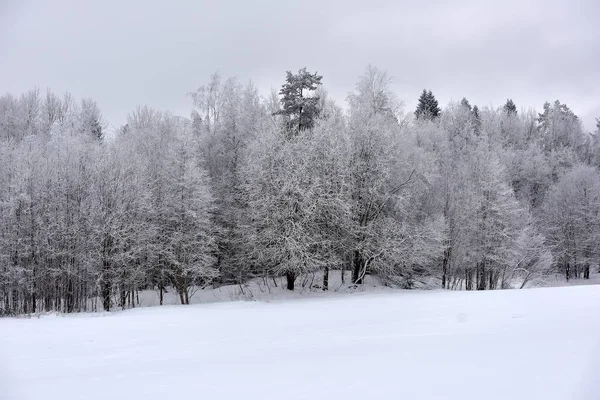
91,120
290,205
183,239
374,96
482,198
207,101
560,128
459,126
384,169
242,117
594,146
572,221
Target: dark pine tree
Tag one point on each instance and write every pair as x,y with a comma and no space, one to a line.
300,109
510,107
465,103
476,119
428,107
96,129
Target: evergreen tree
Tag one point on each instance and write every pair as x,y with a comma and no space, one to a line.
298,106
464,102
428,107
90,119
474,114
96,129
510,107
476,119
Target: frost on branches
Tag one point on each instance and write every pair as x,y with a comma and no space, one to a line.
284,185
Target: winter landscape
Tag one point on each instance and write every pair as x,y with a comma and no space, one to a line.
299,201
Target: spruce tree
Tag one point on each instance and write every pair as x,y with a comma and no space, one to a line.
464,102
300,109
428,107
476,119
510,107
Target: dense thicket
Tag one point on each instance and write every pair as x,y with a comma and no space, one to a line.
263,187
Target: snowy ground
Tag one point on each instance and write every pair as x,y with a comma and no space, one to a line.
309,286
518,344
267,290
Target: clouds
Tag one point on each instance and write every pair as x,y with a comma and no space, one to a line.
149,52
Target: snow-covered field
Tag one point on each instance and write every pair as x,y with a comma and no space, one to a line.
517,344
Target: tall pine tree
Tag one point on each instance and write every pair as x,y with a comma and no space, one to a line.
298,106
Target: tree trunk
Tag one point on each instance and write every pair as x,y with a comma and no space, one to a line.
445,261
70,296
105,295
291,279
525,280
34,293
357,267
469,279
586,272
567,270
123,298
444,266
481,276
326,279
15,301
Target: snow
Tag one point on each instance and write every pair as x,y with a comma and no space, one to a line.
309,286
513,344
267,290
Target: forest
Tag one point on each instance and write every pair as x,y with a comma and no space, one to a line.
284,184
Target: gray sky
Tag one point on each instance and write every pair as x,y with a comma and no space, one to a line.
135,52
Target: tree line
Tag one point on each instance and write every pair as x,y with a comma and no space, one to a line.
285,185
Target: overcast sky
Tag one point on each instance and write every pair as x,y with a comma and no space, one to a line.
145,52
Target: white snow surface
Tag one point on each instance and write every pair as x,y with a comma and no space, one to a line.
512,344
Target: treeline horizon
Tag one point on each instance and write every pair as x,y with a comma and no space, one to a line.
286,184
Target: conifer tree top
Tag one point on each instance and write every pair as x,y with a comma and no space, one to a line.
510,107
464,102
428,107
300,108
